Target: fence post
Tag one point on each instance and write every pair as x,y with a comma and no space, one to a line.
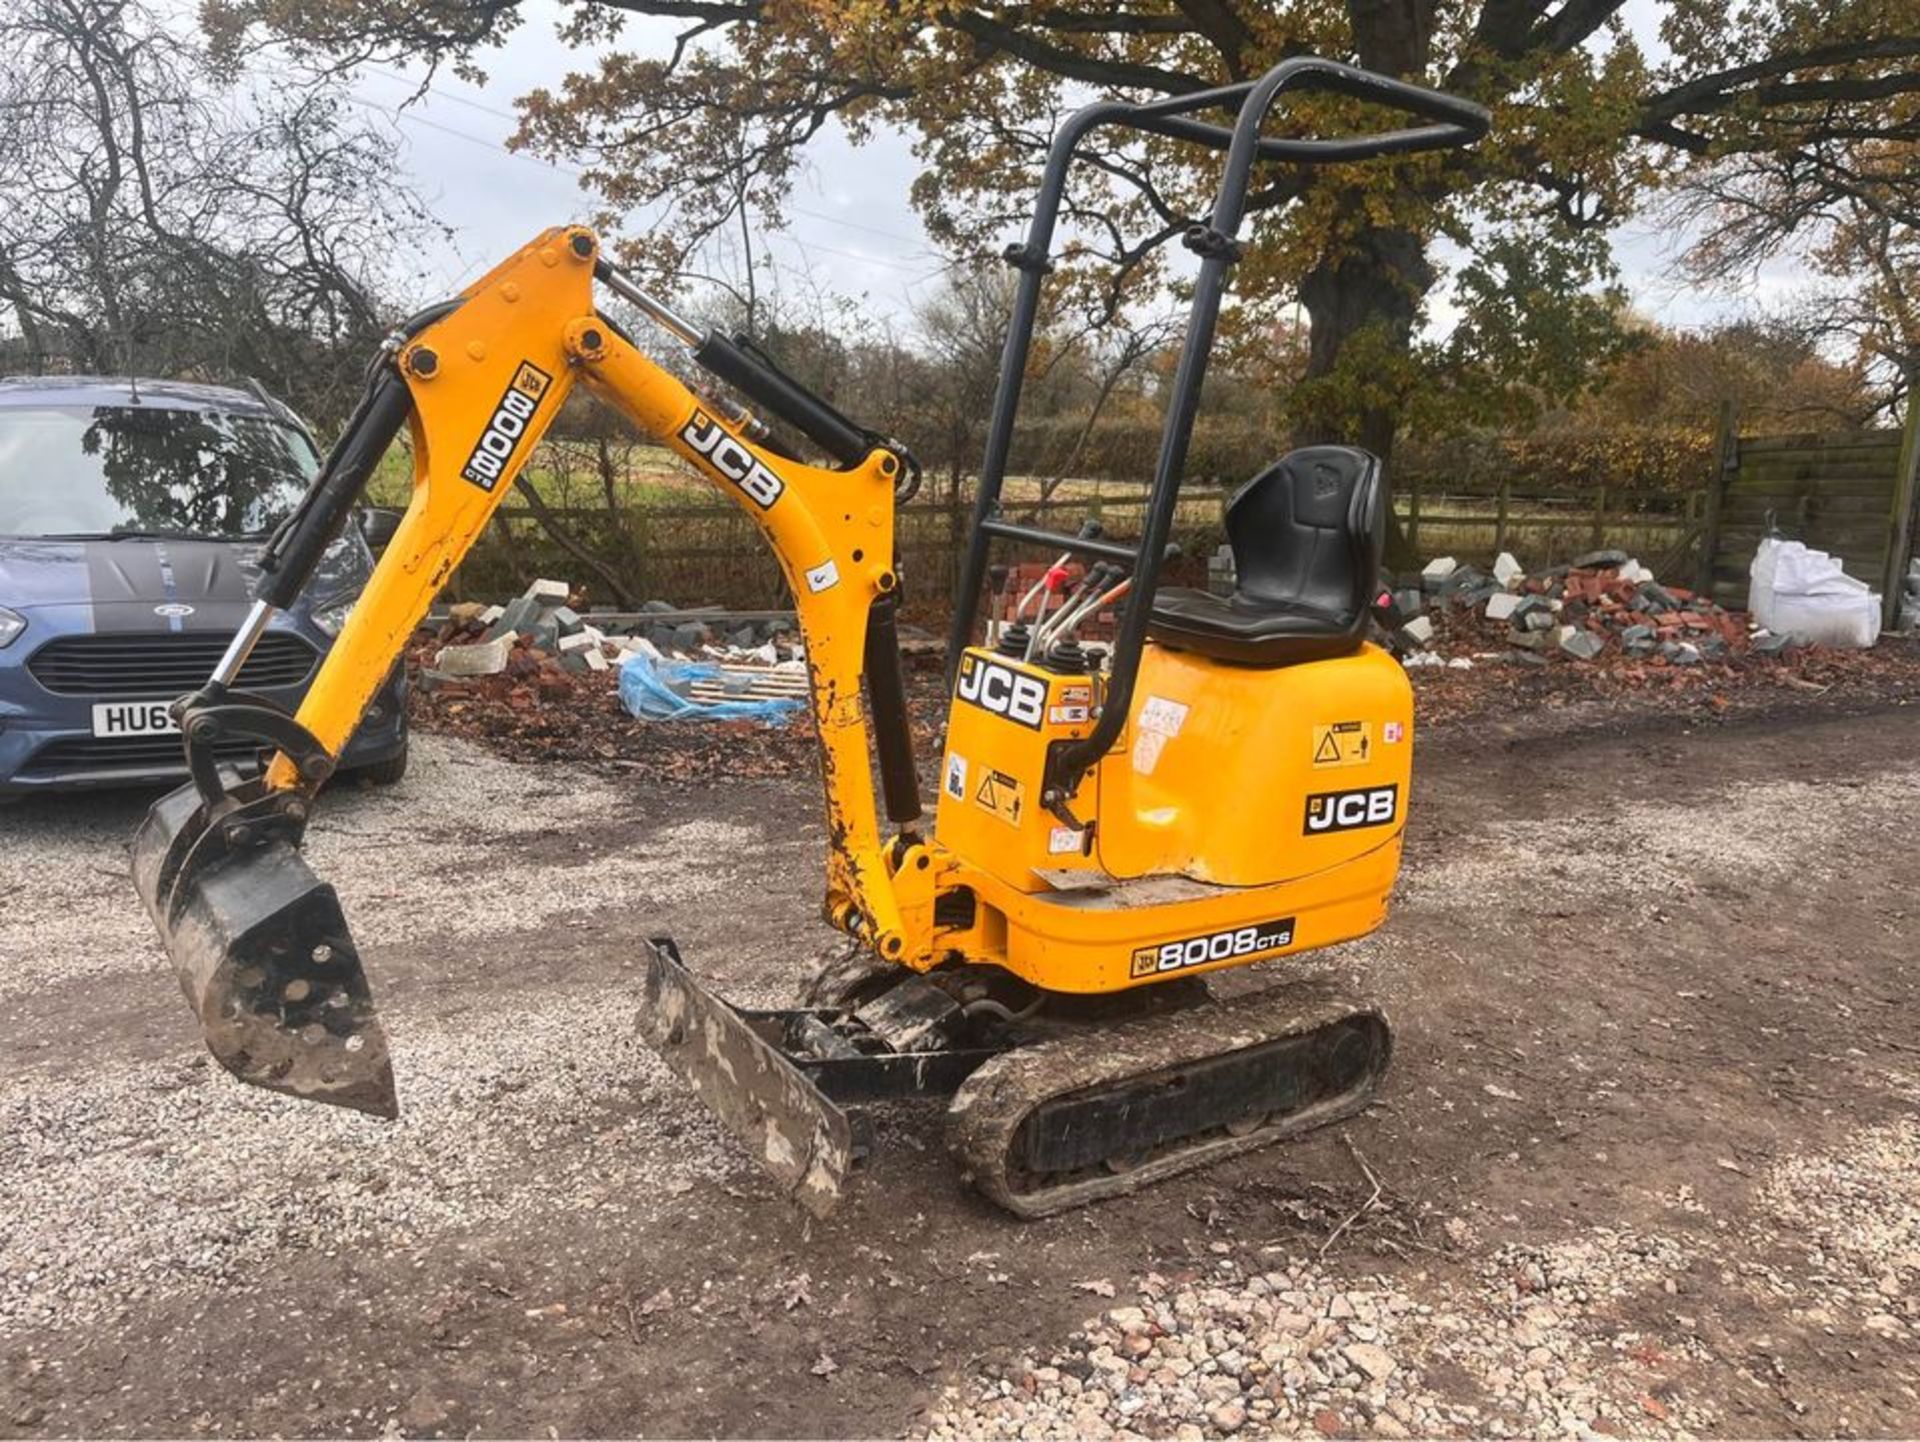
1413,516
1726,461
1501,507
1597,536
1906,492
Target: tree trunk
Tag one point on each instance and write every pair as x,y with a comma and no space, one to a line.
1370,293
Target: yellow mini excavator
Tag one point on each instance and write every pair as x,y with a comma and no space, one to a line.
1224,783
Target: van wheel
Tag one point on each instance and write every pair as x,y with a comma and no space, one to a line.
382,773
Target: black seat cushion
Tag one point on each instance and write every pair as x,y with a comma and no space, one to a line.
1306,535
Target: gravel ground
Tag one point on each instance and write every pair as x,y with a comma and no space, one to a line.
1647,1164
454,816
1535,1332
170,1179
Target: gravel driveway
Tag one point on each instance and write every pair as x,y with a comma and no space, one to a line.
1648,1163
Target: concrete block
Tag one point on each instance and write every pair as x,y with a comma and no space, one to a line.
1581,645
482,658
595,658
1540,620
1409,601
577,642
1419,630
1501,606
518,614
1656,598
548,594
568,620
492,614
1437,570
1600,560
1506,570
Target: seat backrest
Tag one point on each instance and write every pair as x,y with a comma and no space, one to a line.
1309,529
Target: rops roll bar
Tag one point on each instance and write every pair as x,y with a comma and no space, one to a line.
1452,122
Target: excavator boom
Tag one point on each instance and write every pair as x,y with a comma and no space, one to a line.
260,944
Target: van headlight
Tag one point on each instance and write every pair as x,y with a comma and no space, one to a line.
331,616
12,623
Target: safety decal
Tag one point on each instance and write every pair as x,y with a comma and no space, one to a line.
1065,841
1236,943
1344,743
1001,794
511,417
1393,733
1068,715
711,442
823,577
1332,811
956,782
1163,717
1017,695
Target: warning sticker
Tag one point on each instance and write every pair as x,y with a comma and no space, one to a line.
1344,743
1002,795
956,776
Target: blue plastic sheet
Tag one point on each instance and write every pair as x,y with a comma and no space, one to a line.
647,691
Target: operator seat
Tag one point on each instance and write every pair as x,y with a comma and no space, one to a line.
1306,535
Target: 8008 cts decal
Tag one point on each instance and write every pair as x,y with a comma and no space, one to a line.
1236,944
511,416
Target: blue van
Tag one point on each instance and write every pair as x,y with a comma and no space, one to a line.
131,514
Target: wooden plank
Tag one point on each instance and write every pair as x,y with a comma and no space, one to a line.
1905,502
1726,459
1880,476
1823,503
1839,441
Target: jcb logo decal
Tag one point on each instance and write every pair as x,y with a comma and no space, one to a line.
1237,944
732,460
1003,691
511,417
1352,810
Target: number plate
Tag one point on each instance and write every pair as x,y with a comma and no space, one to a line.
133,718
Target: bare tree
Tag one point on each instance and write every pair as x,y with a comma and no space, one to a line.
157,215
1849,206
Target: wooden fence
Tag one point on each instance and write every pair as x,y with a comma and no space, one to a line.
1850,493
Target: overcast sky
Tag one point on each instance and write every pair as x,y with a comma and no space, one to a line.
851,230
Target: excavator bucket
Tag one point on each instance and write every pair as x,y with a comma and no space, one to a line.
264,956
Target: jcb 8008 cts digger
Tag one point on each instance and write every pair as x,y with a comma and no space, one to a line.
1226,783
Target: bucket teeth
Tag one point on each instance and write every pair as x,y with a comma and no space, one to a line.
265,958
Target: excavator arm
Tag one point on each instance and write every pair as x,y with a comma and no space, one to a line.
260,944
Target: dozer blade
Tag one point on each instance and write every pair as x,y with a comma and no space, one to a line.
264,956
760,1096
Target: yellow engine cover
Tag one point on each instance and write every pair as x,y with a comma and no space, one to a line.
1243,814
1245,777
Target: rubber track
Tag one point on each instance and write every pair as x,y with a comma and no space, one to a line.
987,1110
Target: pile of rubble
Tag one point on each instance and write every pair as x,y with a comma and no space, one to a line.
1604,604
540,633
